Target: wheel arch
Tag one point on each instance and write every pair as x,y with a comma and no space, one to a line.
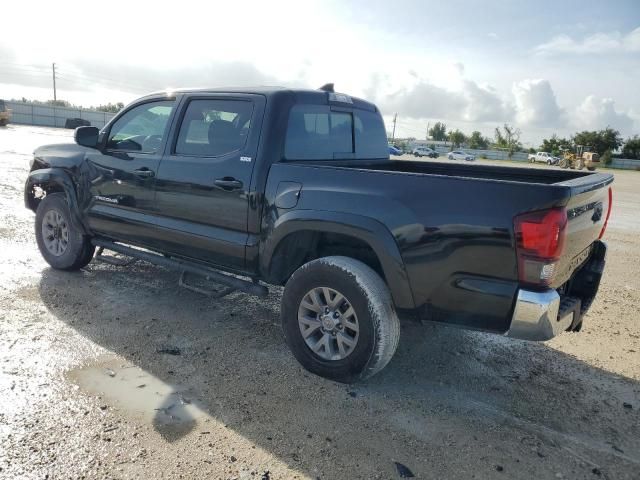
53,180
372,241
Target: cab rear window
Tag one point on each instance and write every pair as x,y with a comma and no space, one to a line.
315,132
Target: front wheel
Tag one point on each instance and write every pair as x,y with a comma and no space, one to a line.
62,245
338,319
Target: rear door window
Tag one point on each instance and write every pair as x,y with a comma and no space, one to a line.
213,127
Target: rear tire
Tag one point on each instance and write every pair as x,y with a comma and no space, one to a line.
345,310
62,245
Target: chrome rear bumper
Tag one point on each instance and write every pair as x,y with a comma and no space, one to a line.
535,316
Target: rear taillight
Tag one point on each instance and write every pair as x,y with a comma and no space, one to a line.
540,240
606,219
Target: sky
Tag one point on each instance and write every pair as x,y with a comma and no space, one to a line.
545,67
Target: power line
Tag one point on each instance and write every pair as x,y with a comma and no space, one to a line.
24,70
104,80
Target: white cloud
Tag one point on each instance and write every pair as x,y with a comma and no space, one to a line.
536,103
424,100
595,113
473,103
484,104
598,43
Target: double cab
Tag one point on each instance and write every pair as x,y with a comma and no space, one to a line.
252,187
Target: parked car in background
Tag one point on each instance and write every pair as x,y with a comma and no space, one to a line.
543,157
76,122
393,150
5,114
461,155
425,152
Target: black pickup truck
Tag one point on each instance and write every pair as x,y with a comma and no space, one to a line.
270,186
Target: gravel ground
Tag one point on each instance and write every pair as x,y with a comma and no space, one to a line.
115,372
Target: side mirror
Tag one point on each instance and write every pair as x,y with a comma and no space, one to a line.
86,136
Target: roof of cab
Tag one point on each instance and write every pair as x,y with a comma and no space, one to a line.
260,90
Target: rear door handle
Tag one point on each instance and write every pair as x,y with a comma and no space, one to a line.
228,183
144,172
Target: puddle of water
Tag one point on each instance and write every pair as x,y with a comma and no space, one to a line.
127,387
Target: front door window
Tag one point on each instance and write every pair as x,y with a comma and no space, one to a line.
141,129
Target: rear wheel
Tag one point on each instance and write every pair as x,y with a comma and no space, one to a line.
62,245
338,319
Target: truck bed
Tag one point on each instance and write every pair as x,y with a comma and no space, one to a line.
486,172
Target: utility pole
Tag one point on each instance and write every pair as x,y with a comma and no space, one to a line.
428,125
55,96
393,135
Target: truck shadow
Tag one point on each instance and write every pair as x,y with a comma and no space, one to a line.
447,399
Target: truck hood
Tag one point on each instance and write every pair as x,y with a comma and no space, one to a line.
63,155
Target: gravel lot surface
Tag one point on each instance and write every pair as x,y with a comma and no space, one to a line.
116,372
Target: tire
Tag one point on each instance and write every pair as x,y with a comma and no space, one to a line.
73,254
362,289
591,169
548,162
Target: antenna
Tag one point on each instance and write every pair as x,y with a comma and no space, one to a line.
327,87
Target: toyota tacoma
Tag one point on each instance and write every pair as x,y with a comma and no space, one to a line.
246,188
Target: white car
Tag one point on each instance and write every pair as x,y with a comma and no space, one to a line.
460,155
543,157
424,152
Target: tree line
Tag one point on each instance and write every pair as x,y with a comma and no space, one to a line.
604,142
506,137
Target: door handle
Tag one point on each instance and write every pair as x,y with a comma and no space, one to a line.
144,172
228,183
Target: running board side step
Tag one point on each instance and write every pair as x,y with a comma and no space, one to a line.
182,282
118,262
232,282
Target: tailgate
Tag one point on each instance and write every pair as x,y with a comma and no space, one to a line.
587,211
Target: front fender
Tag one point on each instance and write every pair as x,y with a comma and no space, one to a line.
374,233
55,179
